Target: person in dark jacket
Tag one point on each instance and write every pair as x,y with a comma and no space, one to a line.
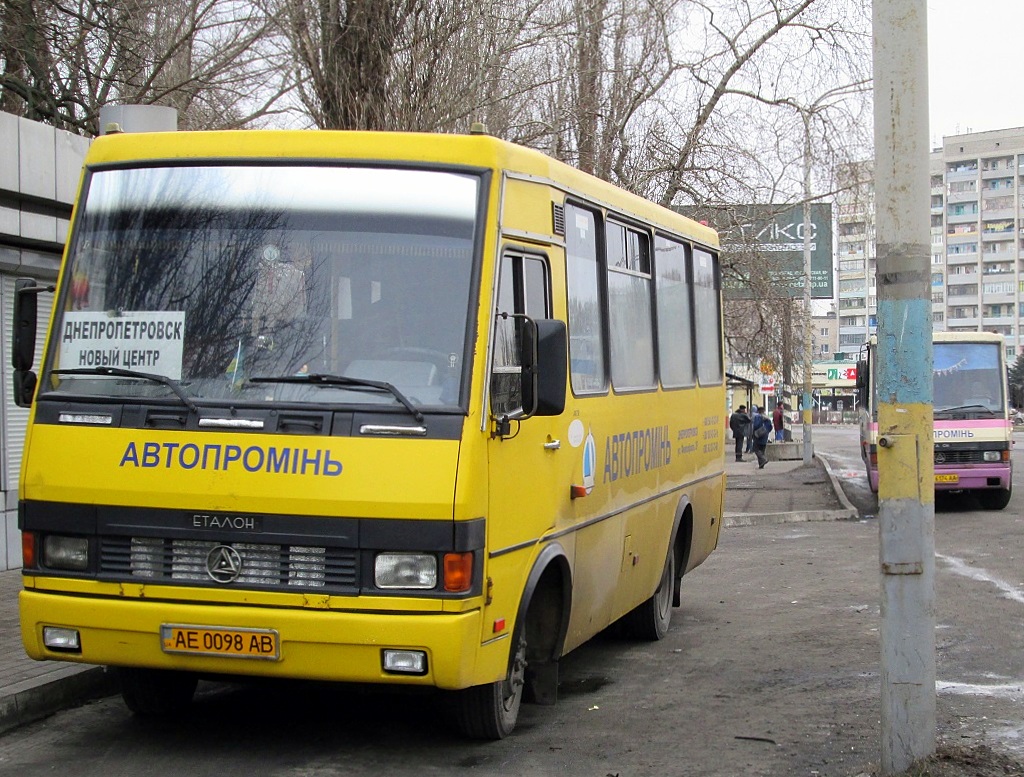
762,429
739,423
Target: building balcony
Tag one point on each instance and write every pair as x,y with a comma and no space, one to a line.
999,172
953,292
968,174
998,213
971,322
961,237
968,257
961,218
957,197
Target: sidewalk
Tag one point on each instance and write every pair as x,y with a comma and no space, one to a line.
784,491
30,690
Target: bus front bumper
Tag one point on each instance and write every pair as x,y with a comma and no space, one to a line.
331,645
977,477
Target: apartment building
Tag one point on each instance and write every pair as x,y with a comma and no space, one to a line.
855,260
977,241
977,216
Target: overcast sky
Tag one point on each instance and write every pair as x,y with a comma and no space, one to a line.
975,57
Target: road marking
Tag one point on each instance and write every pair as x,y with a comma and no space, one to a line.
960,567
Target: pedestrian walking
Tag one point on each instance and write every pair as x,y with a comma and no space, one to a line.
762,427
739,423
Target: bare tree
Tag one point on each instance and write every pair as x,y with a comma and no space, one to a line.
62,60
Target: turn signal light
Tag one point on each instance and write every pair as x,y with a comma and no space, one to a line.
28,550
458,572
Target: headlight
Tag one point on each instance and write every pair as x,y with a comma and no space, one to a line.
992,456
70,553
405,570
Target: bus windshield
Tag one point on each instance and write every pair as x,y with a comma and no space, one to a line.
231,282
967,378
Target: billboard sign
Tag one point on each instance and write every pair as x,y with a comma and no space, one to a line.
770,238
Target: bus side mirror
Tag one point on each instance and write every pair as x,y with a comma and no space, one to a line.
862,382
26,316
23,338
544,357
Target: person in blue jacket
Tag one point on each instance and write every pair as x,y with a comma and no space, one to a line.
761,431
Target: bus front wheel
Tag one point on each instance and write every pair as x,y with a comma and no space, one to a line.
156,692
490,711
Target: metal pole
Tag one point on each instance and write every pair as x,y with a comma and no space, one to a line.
906,488
808,418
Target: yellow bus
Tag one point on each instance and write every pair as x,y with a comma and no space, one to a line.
383,408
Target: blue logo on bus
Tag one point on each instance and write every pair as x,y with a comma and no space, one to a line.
589,462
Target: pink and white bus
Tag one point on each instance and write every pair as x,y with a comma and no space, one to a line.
972,429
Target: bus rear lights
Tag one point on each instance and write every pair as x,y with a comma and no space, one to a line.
70,553
405,570
458,572
61,639
404,662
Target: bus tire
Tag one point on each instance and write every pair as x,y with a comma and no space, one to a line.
650,620
156,692
996,499
491,711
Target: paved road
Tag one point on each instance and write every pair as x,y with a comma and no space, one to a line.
771,668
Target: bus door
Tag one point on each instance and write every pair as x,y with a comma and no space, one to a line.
529,461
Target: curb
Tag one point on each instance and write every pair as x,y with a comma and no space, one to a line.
41,697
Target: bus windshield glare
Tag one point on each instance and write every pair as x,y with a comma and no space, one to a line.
235,281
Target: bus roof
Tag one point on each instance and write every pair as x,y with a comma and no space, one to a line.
473,151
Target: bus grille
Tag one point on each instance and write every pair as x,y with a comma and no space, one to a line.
958,456
158,560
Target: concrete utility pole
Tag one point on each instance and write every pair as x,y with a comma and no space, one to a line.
808,417
906,488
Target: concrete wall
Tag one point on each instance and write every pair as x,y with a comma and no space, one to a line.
40,169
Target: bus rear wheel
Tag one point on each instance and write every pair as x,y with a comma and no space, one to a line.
995,499
156,692
650,620
490,711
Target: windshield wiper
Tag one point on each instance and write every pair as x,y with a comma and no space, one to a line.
341,380
171,383
966,408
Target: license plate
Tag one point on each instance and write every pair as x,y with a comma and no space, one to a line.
214,641
947,478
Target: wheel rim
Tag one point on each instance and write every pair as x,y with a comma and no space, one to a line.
663,598
513,686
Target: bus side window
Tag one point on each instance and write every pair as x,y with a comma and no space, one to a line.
522,289
586,314
707,291
630,329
